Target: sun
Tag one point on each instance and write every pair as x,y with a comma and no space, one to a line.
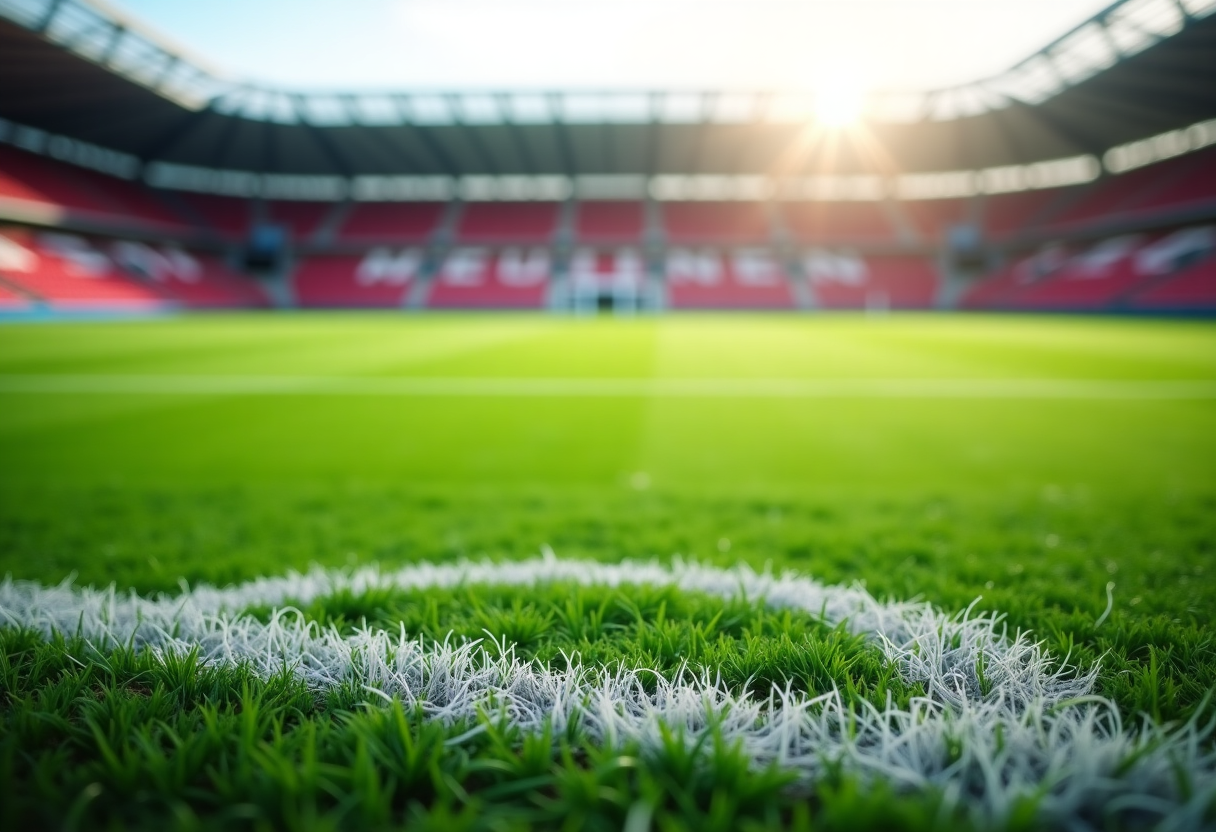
840,94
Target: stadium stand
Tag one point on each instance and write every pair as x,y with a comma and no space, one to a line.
380,278
390,222
1081,245
10,301
842,280
717,223
226,217
1162,271
740,279
609,222
606,278
68,273
479,278
933,218
1183,184
1007,215
839,223
1191,289
301,219
508,222
1094,278
39,182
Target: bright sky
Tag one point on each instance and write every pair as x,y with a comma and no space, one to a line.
610,44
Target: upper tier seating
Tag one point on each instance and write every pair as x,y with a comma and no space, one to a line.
839,222
1142,193
302,219
380,278
29,179
226,216
1008,215
407,222
739,279
719,223
1190,183
610,222
478,278
847,281
933,218
69,273
508,222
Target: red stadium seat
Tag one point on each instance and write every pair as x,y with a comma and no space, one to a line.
1007,215
1190,183
1186,265
477,278
226,216
848,281
1136,270
835,223
388,222
196,281
718,223
10,301
739,279
380,278
933,218
1095,278
610,222
70,273
508,222
36,181
302,219
608,269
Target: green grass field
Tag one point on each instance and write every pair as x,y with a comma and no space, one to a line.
1030,461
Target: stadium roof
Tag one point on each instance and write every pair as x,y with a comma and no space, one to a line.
77,69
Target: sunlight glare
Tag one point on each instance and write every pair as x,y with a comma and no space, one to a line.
839,94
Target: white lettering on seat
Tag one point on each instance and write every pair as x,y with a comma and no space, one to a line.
465,267
756,267
829,267
687,266
625,269
1102,258
1162,256
82,260
380,265
15,257
182,266
517,267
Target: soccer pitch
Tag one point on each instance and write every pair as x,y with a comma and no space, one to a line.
1061,470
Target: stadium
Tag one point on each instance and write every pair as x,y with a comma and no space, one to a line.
515,457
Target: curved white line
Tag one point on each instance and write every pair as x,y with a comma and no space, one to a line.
1034,729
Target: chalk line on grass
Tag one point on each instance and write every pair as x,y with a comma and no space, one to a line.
1031,728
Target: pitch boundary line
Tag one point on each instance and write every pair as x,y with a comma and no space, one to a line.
485,387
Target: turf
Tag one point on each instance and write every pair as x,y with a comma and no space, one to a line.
1036,504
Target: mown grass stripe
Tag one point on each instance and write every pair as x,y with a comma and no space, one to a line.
492,387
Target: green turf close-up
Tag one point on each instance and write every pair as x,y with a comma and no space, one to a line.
1050,507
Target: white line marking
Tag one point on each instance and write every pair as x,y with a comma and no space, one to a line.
1031,730
775,388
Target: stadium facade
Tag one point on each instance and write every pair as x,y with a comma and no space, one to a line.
135,177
